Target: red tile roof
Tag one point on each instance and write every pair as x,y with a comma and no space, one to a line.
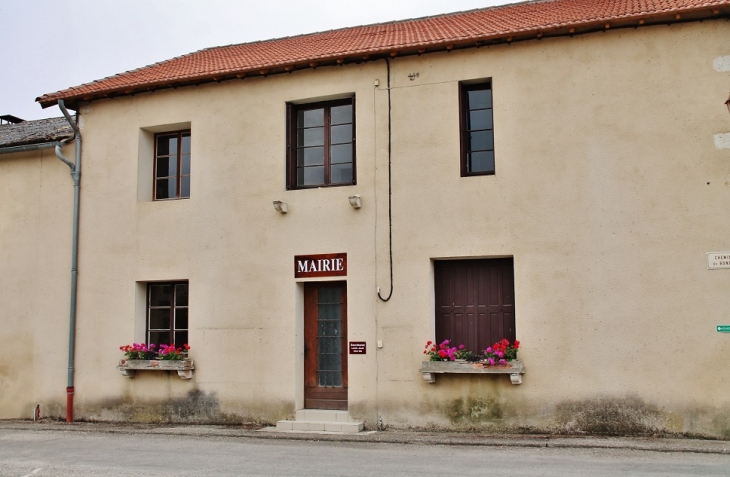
462,29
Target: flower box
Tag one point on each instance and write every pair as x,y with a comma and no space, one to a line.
429,369
184,367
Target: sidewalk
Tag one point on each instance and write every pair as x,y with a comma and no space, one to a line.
414,437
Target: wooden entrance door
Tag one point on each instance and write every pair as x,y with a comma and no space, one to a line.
325,345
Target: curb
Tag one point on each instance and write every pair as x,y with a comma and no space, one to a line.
401,437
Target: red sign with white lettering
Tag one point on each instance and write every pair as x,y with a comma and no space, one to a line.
323,265
358,347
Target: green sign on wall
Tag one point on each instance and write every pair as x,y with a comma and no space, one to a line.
723,328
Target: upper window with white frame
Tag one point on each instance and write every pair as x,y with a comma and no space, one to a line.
321,144
477,129
172,165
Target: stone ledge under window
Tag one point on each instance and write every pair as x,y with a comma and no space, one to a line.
184,367
429,369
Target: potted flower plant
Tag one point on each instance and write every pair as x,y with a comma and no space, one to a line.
501,352
444,352
140,356
500,358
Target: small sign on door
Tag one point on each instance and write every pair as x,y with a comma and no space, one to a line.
358,347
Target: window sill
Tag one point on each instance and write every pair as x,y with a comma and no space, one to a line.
429,369
184,367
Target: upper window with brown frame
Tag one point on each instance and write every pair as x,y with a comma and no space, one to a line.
172,165
167,313
477,129
321,144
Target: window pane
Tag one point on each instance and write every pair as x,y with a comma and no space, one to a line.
341,114
341,153
341,173
481,161
181,338
341,134
329,336
181,294
166,145
159,337
481,140
328,373
181,318
185,165
328,312
310,156
186,144
161,189
329,296
480,119
310,137
159,319
166,166
310,176
185,186
166,188
310,118
481,98
160,295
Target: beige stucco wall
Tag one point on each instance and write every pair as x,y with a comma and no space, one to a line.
36,198
609,191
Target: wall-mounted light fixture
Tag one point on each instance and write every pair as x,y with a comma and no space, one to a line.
280,206
355,201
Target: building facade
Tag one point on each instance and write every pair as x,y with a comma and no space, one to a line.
563,190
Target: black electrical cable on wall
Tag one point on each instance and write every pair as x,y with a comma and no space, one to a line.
390,194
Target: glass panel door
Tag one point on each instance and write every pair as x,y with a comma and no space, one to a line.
325,335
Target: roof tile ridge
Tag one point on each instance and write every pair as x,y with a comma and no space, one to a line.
277,39
376,24
649,8
658,9
111,77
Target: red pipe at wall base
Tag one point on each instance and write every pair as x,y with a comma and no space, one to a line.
70,404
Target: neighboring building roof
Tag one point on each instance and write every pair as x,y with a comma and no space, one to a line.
522,21
34,132
9,118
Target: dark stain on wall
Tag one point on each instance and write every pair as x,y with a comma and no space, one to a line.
609,416
474,410
196,406
479,412
721,422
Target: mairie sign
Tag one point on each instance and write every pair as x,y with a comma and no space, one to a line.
323,265
723,328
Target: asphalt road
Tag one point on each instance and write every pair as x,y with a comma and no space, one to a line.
40,453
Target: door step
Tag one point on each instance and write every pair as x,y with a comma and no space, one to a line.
321,420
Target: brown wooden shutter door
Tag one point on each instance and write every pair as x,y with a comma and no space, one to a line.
475,303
